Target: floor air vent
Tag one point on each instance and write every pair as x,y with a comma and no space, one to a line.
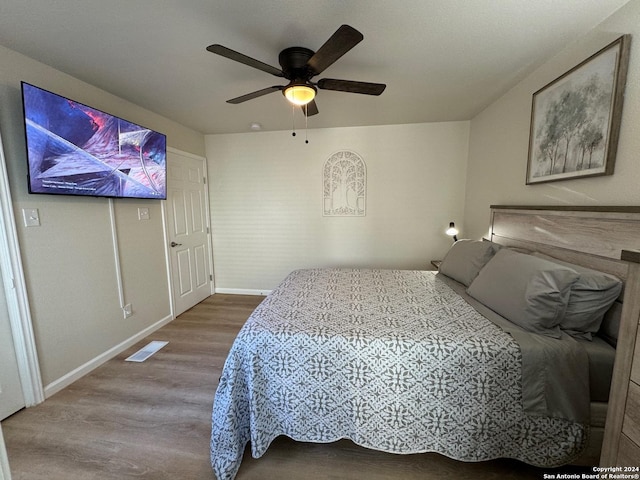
146,351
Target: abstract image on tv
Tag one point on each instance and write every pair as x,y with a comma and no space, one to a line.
74,149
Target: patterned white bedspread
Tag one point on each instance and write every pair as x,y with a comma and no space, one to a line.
393,360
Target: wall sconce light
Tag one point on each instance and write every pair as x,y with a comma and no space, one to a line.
452,231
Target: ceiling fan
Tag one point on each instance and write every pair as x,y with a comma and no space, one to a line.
299,65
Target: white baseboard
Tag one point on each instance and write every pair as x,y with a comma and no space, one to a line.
82,370
243,291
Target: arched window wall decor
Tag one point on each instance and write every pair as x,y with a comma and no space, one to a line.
345,185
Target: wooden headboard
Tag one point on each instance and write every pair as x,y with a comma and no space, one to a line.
606,239
590,236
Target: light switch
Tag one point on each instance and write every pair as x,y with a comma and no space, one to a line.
31,217
143,213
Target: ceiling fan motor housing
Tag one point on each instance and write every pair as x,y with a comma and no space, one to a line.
293,61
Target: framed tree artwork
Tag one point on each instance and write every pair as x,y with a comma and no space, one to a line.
575,120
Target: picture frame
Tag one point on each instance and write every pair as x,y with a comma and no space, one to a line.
575,119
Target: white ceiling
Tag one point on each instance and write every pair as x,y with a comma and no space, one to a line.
442,60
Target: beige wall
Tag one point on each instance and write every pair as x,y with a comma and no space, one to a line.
266,200
69,260
499,137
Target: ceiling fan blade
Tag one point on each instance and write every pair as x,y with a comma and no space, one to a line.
343,40
351,86
239,57
310,108
256,94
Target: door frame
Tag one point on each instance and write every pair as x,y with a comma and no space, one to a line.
16,295
5,472
165,226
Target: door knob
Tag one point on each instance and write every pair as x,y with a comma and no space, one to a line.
174,244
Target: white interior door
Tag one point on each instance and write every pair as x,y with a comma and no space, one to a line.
188,231
5,473
20,382
11,397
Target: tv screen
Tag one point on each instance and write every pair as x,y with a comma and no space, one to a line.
73,149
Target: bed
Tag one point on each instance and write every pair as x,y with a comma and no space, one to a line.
446,362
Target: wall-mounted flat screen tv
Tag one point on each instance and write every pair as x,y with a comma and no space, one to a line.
73,149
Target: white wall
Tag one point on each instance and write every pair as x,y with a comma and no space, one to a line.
499,137
266,200
69,261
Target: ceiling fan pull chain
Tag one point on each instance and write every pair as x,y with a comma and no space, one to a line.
306,122
293,120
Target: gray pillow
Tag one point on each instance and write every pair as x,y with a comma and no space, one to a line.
591,296
466,258
531,292
611,324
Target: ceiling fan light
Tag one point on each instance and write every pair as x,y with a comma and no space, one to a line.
300,94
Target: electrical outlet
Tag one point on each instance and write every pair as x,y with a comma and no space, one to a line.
128,310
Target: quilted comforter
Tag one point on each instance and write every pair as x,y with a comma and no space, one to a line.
393,360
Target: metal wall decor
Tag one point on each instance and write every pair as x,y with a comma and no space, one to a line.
345,185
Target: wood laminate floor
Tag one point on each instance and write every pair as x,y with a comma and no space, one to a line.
151,420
